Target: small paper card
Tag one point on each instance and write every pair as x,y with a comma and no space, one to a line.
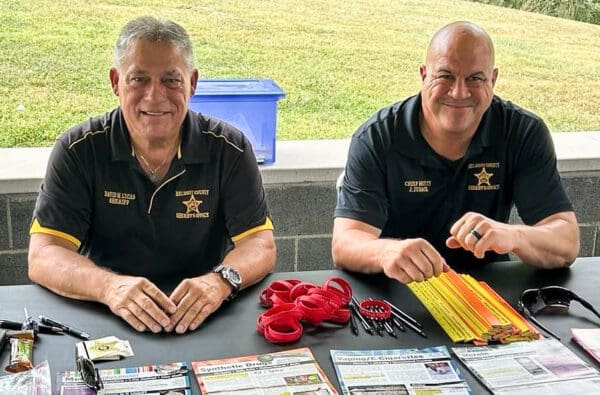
108,348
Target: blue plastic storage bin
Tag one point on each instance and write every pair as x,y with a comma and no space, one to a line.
248,104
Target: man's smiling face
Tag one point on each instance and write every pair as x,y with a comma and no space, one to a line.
457,83
154,85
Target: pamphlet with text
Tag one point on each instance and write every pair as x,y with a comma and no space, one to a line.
537,367
169,378
399,371
292,372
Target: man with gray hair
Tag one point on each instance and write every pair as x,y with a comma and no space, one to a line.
152,193
430,181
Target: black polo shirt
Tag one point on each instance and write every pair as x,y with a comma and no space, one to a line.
96,195
396,182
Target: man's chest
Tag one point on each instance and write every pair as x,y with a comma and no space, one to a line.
418,180
429,193
128,198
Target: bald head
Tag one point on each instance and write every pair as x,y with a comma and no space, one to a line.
458,79
463,34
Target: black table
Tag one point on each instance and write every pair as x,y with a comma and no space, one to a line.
231,331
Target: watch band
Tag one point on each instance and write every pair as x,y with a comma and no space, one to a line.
232,277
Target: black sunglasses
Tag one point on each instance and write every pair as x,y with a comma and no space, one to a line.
89,373
552,299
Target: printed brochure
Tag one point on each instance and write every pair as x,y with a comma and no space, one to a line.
292,372
170,378
537,367
398,371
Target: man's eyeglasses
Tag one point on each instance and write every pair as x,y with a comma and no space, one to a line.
89,373
552,299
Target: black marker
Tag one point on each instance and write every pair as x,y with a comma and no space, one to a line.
66,328
6,324
31,325
353,325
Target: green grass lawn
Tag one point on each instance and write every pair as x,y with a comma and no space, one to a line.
338,60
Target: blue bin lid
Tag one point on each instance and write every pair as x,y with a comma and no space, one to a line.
242,87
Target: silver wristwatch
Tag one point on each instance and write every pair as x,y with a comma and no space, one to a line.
232,277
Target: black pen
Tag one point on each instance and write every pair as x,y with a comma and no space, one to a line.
398,324
51,329
376,325
409,324
363,322
406,316
5,324
18,326
388,328
353,325
66,328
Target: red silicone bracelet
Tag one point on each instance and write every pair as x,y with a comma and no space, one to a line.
292,301
375,309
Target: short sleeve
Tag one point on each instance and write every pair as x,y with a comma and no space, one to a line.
539,191
63,206
362,195
244,200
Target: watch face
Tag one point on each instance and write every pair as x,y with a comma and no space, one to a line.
233,276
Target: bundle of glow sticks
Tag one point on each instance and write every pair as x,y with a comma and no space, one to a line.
471,311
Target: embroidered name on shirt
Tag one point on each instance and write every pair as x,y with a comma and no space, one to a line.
119,198
417,186
192,192
489,165
483,176
192,205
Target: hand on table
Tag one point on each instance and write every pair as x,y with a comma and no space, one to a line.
477,233
412,260
196,298
139,302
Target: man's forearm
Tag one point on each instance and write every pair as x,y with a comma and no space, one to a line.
355,253
68,273
552,244
356,246
253,257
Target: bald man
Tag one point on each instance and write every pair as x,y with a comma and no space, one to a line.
430,181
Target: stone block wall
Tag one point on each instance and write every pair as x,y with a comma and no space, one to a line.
584,192
15,219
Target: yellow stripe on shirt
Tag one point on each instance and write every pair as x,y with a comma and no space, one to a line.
268,225
37,228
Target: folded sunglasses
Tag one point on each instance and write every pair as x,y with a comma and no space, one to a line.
552,299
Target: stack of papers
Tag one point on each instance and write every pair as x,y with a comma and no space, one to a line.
543,367
589,340
108,348
471,311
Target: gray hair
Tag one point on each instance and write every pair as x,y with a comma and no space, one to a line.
154,30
